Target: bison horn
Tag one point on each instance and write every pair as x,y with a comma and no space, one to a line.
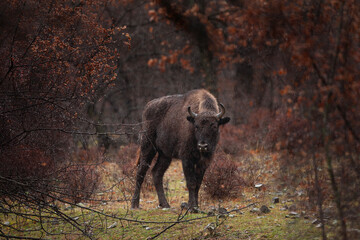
222,111
192,114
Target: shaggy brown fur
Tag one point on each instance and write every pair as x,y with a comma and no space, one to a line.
173,130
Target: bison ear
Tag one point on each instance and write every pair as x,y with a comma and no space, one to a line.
190,119
224,120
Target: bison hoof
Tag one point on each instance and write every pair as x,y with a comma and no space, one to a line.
184,205
194,210
135,205
164,206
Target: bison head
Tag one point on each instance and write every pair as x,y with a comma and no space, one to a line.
206,128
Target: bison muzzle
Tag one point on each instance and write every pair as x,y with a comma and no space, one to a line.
179,126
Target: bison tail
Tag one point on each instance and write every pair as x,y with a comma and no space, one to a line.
137,157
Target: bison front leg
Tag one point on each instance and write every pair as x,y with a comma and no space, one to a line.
199,173
190,177
162,164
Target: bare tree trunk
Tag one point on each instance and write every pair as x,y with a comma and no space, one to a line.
197,31
319,197
337,194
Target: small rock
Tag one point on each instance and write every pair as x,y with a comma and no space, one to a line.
255,210
54,206
81,205
222,211
67,207
258,185
211,227
275,200
112,225
315,221
293,215
147,228
285,207
292,207
264,209
194,210
212,208
234,209
231,215
166,209
211,213
328,213
319,225
184,205
300,193
6,223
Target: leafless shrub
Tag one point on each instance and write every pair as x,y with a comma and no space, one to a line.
127,157
222,179
80,178
24,164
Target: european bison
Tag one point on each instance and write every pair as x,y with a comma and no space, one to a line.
179,126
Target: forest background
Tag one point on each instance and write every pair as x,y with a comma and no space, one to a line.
76,75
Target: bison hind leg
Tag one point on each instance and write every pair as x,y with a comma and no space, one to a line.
146,156
158,171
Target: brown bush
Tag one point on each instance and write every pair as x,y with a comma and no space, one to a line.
231,139
127,157
79,179
23,164
291,133
80,182
237,139
222,179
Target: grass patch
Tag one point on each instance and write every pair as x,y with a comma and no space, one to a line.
149,221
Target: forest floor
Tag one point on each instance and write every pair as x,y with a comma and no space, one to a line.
284,221
243,219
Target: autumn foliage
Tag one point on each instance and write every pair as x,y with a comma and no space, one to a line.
75,75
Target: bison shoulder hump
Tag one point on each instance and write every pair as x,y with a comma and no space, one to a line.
158,107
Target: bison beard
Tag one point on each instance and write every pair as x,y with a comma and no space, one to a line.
179,126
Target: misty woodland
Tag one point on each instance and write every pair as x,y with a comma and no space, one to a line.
180,119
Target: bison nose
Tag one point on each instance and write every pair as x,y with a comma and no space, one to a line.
203,147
